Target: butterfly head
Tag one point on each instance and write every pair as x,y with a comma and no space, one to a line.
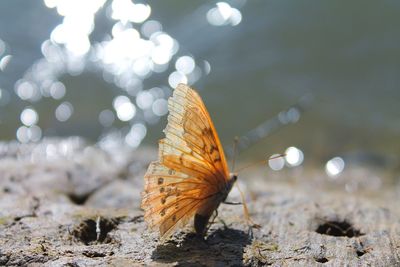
233,177
231,182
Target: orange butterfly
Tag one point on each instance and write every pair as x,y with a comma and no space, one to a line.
191,177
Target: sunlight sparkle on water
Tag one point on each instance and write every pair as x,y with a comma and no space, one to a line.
289,116
125,109
77,25
176,78
150,27
125,10
160,107
136,134
142,67
29,117
207,67
334,166
127,53
26,90
125,34
276,163
5,61
106,118
57,90
161,55
165,47
26,134
144,99
64,111
294,156
185,64
224,14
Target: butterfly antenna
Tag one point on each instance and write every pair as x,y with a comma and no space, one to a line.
261,162
235,144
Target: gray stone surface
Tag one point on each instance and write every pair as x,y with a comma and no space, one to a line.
54,195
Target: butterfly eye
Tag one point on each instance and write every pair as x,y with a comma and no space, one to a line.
160,180
234,177
162,189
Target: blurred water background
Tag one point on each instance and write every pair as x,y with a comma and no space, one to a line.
326,72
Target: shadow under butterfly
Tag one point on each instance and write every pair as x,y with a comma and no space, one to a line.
224,246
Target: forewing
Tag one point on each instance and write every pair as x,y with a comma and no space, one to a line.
190,122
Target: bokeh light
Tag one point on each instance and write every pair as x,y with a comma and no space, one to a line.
144,99
160,107
29,117
27,90
224,14
57,90
176,78
4,61
126,10
26,134
136,134
294,156
276,162
136,47
64,111
150,27
185,64
106,118
334,166
125,109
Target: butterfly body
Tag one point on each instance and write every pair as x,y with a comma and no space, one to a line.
191,177
204,213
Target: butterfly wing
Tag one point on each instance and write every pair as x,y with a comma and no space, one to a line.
191,169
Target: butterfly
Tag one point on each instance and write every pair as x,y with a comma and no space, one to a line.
191,177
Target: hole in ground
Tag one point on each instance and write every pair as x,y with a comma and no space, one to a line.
94,230
321,260
78,199
338,228
360,249
360,252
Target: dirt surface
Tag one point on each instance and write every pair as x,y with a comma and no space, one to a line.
66,203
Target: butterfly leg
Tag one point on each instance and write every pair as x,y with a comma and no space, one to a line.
212,220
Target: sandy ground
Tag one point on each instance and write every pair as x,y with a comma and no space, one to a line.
66,203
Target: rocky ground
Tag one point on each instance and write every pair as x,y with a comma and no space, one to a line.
66,203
